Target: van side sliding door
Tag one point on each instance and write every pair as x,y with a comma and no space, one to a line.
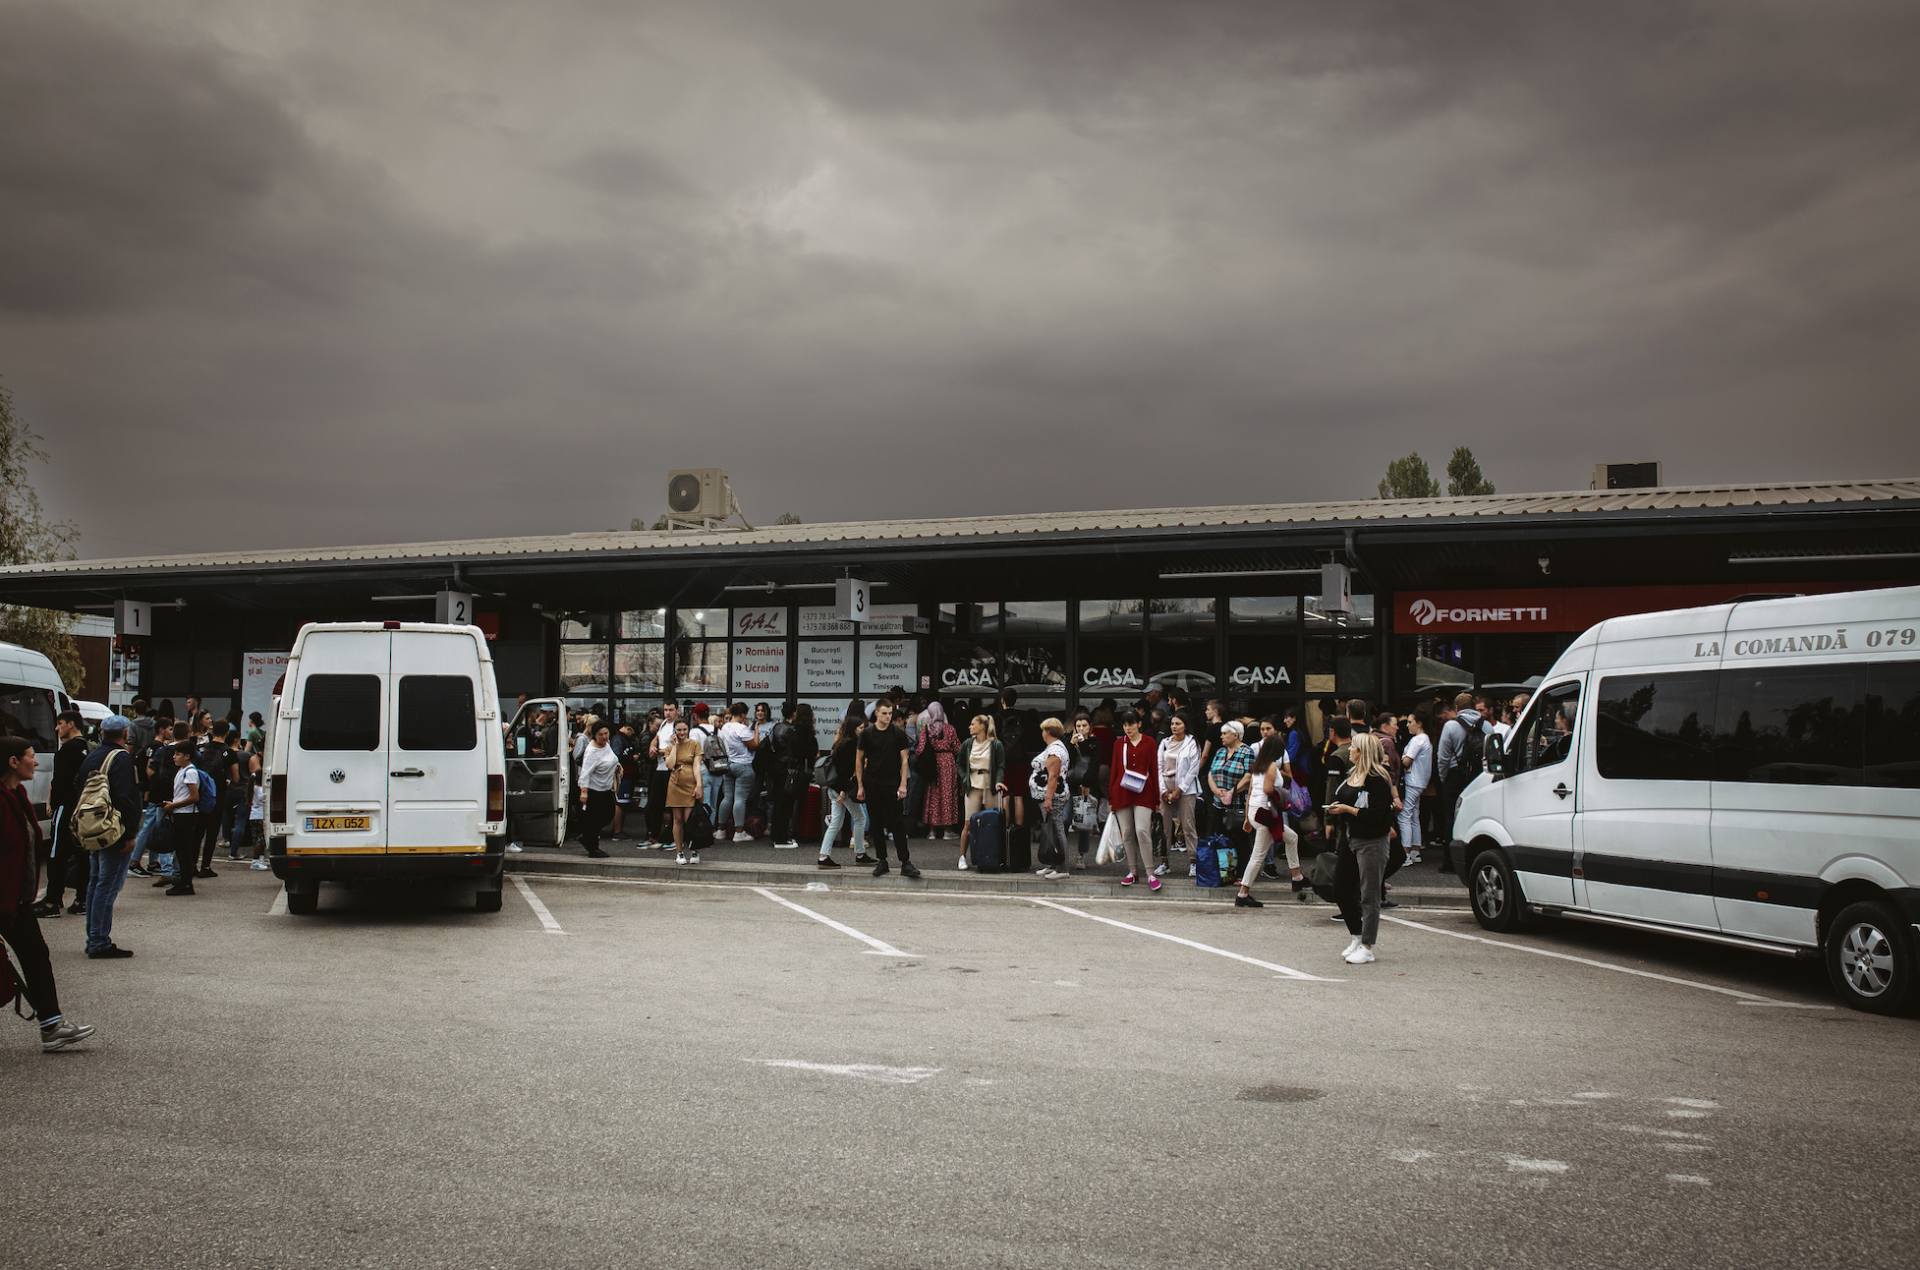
537,781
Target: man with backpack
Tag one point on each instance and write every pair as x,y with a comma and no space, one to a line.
218,761
191,789
66,867
1457,760
106,816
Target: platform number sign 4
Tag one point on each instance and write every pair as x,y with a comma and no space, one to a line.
453,608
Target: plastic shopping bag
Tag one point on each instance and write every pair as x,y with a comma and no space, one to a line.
1112,845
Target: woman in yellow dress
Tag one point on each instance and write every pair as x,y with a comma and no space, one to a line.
684,782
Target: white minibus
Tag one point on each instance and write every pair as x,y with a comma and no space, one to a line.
386,760
1747,773
31,696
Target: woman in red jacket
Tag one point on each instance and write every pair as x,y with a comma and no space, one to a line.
1133,792
19,878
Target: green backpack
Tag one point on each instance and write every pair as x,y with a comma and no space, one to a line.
96,821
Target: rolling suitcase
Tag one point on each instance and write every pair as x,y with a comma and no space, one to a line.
986,840
811,822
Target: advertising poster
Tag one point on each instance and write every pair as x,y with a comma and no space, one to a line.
263,671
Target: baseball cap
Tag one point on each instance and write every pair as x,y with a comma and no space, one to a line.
115,723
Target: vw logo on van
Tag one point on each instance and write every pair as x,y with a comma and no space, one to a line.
336,776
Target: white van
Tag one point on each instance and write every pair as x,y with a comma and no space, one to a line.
1747,773
31,696
385,759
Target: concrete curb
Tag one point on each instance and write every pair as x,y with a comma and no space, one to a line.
943,881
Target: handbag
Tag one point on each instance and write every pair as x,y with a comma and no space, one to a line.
1086,813
1111,841
1133,782
926,764
1299,802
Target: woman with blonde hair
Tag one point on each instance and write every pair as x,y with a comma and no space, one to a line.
986,762
1367,796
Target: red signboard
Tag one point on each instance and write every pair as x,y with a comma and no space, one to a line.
1571,608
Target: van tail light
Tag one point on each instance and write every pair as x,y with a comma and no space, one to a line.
496,797
277,800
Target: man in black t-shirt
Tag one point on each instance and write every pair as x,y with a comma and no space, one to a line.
218,761
882,784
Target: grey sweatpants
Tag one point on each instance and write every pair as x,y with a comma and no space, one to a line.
1358,875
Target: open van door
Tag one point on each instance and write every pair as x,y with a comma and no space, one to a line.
537,782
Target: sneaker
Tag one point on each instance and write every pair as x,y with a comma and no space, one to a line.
743,837
163,879
1193,870
1413,857
693,857
963,862
680,857
186,889
1160,871
260,865
881,869
514,847
76,908
206,873
135,871
616,837
908,871
45,910
63,1034
111,951
1127,880
786,846
1153,884
596,854
1045,873
863,858
1347,952
1360,956
826,862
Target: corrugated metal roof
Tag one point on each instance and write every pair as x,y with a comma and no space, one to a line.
1493,505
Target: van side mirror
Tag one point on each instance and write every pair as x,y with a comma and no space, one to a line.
1496,754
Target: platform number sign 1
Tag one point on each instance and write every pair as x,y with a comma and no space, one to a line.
851,593
453,608
132,617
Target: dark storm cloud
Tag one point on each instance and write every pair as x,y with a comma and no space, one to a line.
406,270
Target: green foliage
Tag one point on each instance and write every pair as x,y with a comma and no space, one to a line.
1464,477
788,518
1409,478
640,525
28,537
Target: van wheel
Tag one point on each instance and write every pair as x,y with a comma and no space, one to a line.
486,901
1871,959
304,901
1498,904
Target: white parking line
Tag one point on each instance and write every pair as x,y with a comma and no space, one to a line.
878,948
539,909
1286,972
279,906
1745,998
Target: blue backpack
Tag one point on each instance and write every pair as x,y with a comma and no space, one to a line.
209,793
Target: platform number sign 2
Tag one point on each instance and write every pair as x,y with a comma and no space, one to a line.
851,593
132,617
453,608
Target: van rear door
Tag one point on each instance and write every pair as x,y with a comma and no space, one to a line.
537,783
337,768
436,767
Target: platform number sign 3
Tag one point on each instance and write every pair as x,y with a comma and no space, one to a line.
851,593
453,608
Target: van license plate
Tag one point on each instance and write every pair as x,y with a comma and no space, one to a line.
329,824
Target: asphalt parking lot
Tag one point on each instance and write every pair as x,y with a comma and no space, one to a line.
616,1073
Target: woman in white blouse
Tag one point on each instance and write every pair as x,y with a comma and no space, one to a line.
599,773
1180,781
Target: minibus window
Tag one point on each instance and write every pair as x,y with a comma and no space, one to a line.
1893,724
27,713
1656,727
340,712
436,713
1792,725
1545,735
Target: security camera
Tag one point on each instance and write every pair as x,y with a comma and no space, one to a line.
1546,563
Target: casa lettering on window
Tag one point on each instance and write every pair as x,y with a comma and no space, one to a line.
968,677
1259,676
1109,677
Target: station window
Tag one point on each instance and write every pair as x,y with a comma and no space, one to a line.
1264,610
1036,617
643,624
640,667
1106,617
703,623
700,666
971,619
583,668
596,627
1179,615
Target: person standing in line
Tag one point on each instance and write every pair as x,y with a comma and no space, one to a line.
1450,771
1419,771
256,733
66,865
140,735
1133,794
940,811
657,747
184,813
599,771
705,733
1266,808
257,815
844,810
986,776
1365,801
1180,784
794,745
1047,784
217,761
622,741
882,783
685,784
19,878
1226,788
107,867
1088,755
155,837
239,795
1209,736
736,792
765,784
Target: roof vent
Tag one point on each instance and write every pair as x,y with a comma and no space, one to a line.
1626,476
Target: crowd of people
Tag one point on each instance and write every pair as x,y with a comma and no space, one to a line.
1362,794
147,796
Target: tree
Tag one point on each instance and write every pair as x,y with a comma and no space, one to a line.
28,537
1409,478
1463,475
640,524
788,518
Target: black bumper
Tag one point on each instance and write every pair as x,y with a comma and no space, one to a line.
488,865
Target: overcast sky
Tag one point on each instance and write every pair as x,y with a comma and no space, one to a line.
385,270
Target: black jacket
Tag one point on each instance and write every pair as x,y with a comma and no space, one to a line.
66,773
1376,818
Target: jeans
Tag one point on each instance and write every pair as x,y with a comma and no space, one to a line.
242,796
845,810
1053,826
713,784
150,820
106,873
736,795
1410,820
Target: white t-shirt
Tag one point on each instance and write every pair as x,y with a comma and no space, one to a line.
186,784
665,738
733,735
1418,758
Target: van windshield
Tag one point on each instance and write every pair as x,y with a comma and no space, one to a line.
28,713
340,712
